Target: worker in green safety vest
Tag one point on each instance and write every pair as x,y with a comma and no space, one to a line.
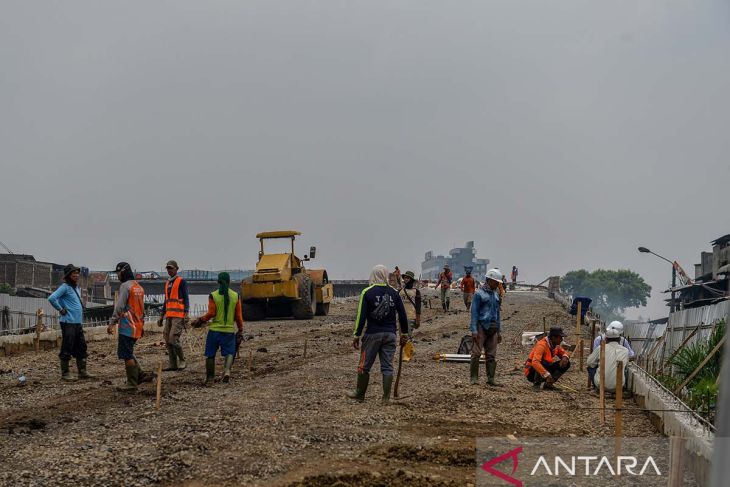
224,309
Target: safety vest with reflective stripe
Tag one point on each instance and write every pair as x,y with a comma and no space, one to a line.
220,323
131,323
174,305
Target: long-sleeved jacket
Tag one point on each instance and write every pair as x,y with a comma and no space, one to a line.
615,353
485,310
445,278
623,341
67,297
543,351
213,310
370,298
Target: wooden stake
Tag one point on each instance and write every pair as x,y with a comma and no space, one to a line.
619,404
699,367
579,334
676,462
602,371
159,385
593,339
38,328
681,346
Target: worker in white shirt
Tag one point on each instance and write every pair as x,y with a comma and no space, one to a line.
615,353
615,325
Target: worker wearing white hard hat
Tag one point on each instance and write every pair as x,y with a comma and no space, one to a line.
619,327
614,354
485,326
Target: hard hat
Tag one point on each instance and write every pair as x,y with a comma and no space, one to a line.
494,274
616,325
612,333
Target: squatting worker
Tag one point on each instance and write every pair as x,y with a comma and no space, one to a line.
174,316
128,315
485,327
615,353
547,361
411,298
444,284
468,288
623,341
67,300
379,306
224,309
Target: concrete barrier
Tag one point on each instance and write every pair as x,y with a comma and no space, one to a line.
675,419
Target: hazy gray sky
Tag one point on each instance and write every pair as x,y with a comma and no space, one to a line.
557,135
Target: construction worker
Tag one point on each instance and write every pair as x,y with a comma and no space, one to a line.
444,282
615,353
513,277
619,327
547,361
485,327
411,300
224,308
468,288
379,306
128,314
67,301
174,316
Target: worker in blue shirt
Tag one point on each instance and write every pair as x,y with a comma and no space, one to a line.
67,300
485,327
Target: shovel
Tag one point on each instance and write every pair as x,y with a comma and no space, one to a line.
397,377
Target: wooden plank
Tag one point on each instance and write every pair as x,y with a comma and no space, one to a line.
159,385
579,334
602,371
619,404
699,367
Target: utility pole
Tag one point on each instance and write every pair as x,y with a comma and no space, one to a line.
720,465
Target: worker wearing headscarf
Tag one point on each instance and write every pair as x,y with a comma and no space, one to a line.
224,308
379,307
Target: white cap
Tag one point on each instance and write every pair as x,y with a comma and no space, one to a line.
493,274
616,325
612,333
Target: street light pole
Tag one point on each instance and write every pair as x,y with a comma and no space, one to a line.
644,250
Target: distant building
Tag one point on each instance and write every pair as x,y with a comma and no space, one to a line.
459,258
711,277
21,271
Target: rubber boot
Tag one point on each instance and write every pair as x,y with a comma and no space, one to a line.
474,371
132,378
491,372
66,373
362,386
181,365
172,359
448,304
142,375
387,384
81,365
227,368
209,371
